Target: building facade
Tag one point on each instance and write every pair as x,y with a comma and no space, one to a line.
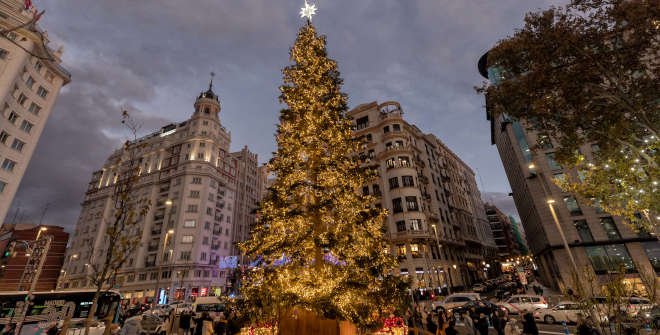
30,81
437,226
503,232
12,264
202,198
599,242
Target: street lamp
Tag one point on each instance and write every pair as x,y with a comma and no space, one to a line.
41,229
437,241
550,203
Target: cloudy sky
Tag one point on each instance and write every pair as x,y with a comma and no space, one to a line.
152,57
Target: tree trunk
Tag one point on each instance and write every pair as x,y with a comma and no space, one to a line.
92,310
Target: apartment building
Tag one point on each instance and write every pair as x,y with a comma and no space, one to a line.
202,200
503,232
437,226
30,80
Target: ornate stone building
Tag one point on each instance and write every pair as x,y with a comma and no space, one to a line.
437,225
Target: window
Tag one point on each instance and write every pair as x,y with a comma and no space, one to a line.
197,180
652,250
583,230
209,211
401,250
34,108
184,256
142,276
411,204
194,194
397,205
2,186
26,126
189,224
386,129
608,258
49,76
400,226
610,228
365,190
552,162
416,224
369,138
29,82
3,137
396,127
414,250
12,117
21,99
572,205
200,155
205,240
18,145
376,189
405,161
202,256
394,182
192,209
408,181
38,66
362,123
187,239
3,53
8,165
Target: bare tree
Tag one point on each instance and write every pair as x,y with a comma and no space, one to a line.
122,229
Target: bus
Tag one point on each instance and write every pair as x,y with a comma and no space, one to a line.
47,308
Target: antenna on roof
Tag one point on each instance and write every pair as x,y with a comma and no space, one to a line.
211,81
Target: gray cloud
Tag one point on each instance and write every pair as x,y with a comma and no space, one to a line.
153,57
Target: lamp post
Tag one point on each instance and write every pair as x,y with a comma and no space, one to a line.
437,241
160,266
561,233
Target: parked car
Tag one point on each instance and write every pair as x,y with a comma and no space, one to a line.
161,310
564,311
521,302
637,305
480,306
455,300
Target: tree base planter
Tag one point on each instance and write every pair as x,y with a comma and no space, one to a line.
300,321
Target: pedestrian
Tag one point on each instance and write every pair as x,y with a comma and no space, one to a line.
469,323
184,322
52,330
512,328
220,325
583,327
431,326
234,323
498,322
482,324
529,325
450,329
442,322
204,325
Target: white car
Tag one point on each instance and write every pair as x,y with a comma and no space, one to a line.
518,303
566,311
455,300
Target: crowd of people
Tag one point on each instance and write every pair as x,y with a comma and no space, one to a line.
185,323
441,322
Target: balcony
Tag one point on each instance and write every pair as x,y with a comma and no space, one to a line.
395,149
396,164
390,109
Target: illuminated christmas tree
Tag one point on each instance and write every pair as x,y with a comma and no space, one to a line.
319,244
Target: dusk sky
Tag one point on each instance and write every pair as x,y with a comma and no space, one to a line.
153,57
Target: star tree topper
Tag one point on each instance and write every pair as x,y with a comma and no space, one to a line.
308,11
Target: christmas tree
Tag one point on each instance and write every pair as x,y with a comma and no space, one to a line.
319,243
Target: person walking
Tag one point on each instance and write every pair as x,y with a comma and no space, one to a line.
512,328
431,326
469,324
184,322
442,322
204,325
450,328
482,324
498,322
529,325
